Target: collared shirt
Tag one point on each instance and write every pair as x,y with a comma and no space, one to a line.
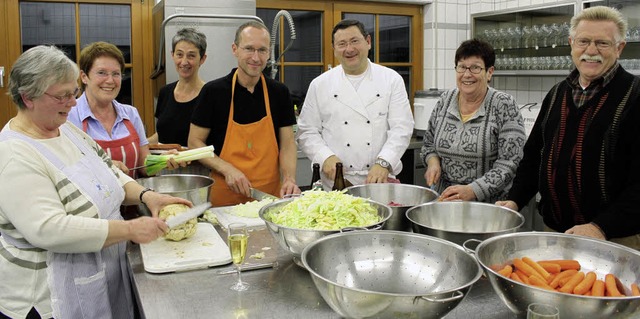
119,130
580,95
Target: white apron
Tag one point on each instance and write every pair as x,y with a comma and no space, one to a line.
89,285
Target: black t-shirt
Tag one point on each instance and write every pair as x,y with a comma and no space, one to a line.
215,98
174,118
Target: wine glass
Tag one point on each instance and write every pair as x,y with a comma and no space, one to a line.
237,240
542,311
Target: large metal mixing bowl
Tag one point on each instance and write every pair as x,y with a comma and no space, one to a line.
400,197
599,256
195,188
294,240
460,221
390,274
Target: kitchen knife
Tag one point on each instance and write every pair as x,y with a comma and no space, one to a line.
260,195
190,213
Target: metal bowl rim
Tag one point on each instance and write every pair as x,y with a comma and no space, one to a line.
176,176
549,234
376,185
515,228
389,232
263,210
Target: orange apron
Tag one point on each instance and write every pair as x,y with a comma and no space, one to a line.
253,150
125,150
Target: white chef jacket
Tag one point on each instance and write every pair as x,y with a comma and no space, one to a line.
357,126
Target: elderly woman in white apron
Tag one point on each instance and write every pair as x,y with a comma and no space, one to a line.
67,241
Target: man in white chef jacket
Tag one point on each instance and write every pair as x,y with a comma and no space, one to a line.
357,113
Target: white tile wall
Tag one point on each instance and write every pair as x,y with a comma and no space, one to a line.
452,20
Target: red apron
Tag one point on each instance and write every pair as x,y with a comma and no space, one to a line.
253,150
126,149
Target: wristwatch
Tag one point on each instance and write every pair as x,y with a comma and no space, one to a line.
383,163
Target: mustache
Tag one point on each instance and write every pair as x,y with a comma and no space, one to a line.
594,58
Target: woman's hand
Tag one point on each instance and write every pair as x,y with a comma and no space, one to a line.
156,201
458,192
121,166
146,229
434,171
172,163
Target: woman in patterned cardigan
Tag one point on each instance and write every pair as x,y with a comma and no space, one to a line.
476,134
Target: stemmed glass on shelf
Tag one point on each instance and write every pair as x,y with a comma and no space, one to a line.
237,240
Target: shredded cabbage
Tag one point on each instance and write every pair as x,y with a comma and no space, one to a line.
320,210
250,209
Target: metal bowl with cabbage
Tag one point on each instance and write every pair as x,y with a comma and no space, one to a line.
297,222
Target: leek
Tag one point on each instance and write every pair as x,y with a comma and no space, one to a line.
155,163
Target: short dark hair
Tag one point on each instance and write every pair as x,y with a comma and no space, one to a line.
348,23
193,36
254,24
476,47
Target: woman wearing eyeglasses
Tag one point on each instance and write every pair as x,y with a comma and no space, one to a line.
476,135
115,126
63,241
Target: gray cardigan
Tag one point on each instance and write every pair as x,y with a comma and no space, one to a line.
484,152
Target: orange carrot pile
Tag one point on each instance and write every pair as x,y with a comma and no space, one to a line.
563,276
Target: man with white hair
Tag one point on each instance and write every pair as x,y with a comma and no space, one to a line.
582,154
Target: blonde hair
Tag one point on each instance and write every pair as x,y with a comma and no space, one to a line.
601,13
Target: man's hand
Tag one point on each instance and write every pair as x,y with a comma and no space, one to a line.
377,174
508,204
237,181
329,167
589,230
289,187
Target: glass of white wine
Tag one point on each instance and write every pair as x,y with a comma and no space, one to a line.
237,240
542,311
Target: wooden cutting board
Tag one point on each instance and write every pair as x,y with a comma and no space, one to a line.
204,249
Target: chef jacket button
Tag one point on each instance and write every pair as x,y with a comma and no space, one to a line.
345,122
378,95
368,143
367,165
335,95
348,144
368,121
350,166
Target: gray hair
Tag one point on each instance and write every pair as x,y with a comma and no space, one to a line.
601,13
192,36
36,70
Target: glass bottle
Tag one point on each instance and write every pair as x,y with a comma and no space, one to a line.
338,183
316,182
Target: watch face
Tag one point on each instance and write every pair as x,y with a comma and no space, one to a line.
382,163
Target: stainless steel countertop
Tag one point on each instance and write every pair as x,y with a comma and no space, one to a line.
284,292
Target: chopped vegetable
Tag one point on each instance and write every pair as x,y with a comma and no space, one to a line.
322,210
156,163
180,232
250,209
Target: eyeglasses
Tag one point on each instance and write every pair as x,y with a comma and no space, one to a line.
105,74
600,44
344,44
475,69
251,50
64,98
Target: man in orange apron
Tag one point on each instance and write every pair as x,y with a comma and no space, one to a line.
249,121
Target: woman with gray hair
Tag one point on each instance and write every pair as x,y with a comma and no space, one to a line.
177,100
62,251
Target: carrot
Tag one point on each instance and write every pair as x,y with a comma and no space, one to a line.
610,285
620,286
523,276
564,263
634,289
551,278
552,268
545,274
506,271
515,277
528,270
565,274
586,284
572,283
539,282
597,290
588,293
